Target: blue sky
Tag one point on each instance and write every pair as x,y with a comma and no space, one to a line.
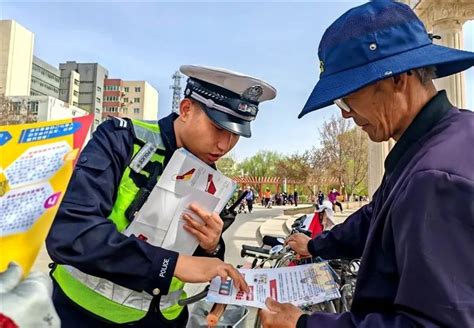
276,41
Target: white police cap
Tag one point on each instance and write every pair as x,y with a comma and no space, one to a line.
230,99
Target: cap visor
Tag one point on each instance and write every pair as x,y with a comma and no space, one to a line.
329,88
229,122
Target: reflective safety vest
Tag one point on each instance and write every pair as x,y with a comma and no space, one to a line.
99,296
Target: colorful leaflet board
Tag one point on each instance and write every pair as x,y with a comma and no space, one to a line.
36,163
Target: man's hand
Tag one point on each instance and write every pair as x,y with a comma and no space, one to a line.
299,243
209,232
279,315
195,269
27,302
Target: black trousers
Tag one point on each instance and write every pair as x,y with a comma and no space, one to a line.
336,203
250,205
73,316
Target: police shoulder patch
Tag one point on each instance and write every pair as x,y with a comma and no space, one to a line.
119,123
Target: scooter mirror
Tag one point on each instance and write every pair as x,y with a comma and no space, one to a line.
276,249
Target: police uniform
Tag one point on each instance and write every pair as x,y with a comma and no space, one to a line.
102,277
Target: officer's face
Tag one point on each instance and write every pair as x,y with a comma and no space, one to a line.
201,136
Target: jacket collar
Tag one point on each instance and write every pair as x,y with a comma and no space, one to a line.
426,119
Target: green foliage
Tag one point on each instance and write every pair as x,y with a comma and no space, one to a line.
262,164
228,166
340,162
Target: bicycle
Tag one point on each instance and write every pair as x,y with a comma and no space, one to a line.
344,271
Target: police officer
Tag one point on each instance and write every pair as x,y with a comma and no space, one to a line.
103,278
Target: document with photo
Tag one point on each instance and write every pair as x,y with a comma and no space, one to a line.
299,285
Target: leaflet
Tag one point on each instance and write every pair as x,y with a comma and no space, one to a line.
299,285
36,163
184,181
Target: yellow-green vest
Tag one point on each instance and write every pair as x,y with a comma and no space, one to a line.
101,297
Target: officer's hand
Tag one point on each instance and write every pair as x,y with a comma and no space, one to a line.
279,315
195,269
299,243
28,303
208,232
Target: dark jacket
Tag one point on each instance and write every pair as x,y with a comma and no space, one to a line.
81,234
417,235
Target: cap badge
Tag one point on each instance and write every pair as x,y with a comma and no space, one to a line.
253,93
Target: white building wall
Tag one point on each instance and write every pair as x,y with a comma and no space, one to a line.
150,103
16,58
50,109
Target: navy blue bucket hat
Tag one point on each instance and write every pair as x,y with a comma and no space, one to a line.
375,41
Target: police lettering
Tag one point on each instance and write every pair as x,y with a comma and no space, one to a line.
164,267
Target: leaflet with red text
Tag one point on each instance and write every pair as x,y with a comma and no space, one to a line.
299,285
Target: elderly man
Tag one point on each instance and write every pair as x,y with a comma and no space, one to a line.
416,236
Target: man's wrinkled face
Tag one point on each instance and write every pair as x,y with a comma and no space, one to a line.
204,138
376,110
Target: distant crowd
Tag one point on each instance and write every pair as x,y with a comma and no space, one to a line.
268,199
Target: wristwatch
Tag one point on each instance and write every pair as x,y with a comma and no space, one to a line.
215,251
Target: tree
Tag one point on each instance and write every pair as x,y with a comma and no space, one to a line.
228,166
295,168
342,158
355,149
333,148
262,164
320,174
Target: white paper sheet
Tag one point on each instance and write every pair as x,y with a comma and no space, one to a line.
185,180
299,285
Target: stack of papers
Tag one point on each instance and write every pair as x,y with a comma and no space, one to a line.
299,285
185,180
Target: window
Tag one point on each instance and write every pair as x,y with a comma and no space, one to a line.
136,110
33,107
136,100
76,93
76,82
99,89
74,103
125,100
111,98
137,89
112,88
126,89
125,110
97,99
97,110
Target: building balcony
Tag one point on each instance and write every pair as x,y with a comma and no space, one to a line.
114,114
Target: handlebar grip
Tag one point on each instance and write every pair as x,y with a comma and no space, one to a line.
215,314
194,298
304,231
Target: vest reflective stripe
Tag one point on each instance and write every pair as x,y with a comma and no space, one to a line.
148,133
102,297
92,301
126,193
